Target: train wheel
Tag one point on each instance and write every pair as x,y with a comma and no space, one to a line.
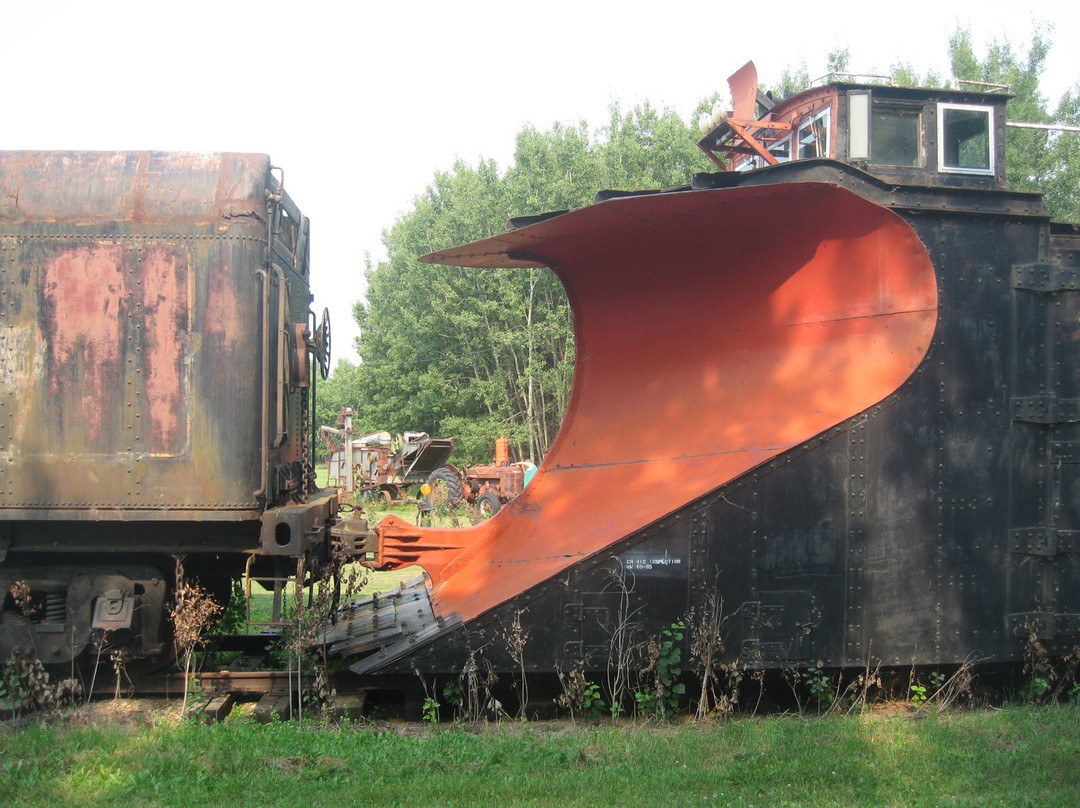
488,504
445,488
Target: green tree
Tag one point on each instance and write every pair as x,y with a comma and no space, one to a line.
646,149
1037,160
1026,154
792,81
902,74
1062,180
446,347
838,61
342,389
475,353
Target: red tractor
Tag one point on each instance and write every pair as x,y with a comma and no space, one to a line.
487,487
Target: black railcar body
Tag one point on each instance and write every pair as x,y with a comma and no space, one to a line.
937,525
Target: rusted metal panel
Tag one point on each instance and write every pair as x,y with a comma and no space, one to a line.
143,187
130,299
104,307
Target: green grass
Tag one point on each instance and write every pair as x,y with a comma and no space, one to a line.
1014,757
261,604
463,516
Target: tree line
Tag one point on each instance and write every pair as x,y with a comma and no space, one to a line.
474,354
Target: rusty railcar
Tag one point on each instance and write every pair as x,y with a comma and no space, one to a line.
155,385
833,386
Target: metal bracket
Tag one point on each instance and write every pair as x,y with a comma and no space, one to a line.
578,612
354,539
1065,453
758,652
113,610
1046,542
1046,625
1051,277
1045,410
292,530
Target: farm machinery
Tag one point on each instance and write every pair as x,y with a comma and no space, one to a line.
487,486
381,466
394,469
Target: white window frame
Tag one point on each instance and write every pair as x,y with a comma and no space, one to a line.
991,145
796,144
773,147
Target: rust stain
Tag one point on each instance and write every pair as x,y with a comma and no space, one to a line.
165,324
222,306
84,289
138,187
116,324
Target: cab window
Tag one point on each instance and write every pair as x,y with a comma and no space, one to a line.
965,139
781,150
813,137
895,136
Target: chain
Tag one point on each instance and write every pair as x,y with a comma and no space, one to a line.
307,466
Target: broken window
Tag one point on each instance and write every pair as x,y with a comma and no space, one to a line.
813,138
781,150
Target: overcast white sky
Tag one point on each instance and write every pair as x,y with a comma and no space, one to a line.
361,105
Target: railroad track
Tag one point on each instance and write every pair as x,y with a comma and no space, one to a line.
275,694
250,679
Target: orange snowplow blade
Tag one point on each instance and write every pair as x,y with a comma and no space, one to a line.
715,329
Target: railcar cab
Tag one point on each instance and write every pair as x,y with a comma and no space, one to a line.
911,136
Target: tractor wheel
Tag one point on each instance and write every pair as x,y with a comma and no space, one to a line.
488,504
445,487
